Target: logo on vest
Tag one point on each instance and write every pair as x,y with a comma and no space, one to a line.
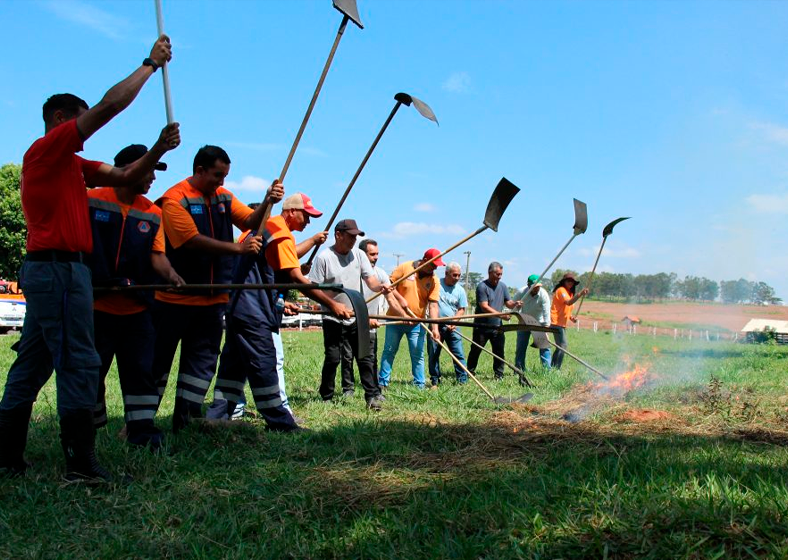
220,208
144,227
102,216
195,208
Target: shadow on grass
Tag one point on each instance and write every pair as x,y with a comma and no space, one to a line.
411,487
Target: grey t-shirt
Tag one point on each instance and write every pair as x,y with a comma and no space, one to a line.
495,297
349,270
378,306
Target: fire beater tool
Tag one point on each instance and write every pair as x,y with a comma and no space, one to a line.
581,224
605,233
503,194
349,13
401,99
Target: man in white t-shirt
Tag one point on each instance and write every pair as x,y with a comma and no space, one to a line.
344,264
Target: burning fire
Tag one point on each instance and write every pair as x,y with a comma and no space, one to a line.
627,381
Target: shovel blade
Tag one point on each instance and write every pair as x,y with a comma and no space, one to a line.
509,400
581,217
349,9
609,227
503,194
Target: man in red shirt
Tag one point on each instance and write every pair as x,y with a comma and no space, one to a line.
58,328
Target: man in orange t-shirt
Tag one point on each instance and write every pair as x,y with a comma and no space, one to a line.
420,293
561,312
249,351
128,249
198,216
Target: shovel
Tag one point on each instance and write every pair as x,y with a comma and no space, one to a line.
349,12
503,194
605,232
401,99
581,224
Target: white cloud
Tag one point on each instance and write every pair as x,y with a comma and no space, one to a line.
89,16
772,132
313,151
459,82
248,183
408,229
769,203
424,207
622,253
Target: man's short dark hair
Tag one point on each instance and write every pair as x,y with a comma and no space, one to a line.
365,242
68,103
207,155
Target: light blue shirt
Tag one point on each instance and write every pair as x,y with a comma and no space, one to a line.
451,299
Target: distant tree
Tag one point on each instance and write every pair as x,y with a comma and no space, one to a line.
709,289
763,294
13,229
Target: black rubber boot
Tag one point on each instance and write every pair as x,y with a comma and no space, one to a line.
13,438
183,414
78,436
144,434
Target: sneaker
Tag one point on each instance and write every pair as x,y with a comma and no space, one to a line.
382,397
349,393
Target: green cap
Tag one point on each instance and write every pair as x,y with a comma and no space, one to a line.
532,278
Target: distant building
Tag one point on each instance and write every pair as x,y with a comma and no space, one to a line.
756,326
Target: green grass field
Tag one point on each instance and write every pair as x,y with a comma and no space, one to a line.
443,473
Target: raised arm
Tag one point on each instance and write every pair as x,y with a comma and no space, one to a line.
122,94
109,176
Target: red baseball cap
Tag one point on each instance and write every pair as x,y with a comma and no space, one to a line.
433,253
300,201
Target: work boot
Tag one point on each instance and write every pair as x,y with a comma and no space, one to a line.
78,438
13,438
183,413
144,434
375,404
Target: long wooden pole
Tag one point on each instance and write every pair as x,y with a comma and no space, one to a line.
427,262
513,367
591,278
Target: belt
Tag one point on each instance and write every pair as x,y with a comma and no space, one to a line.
54,255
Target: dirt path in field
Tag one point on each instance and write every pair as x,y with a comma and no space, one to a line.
678,314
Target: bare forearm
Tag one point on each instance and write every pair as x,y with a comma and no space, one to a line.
319,296
213,246
484,306
304,247
114,101
395,306
433,310
460,312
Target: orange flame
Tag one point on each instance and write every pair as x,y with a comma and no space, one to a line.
627,381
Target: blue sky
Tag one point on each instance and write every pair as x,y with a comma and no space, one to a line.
672,112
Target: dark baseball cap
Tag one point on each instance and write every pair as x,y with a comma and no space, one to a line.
348,226
132,153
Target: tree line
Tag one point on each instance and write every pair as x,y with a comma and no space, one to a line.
659,287
606,285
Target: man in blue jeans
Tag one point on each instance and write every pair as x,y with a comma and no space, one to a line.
418,293
535,303
452,303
